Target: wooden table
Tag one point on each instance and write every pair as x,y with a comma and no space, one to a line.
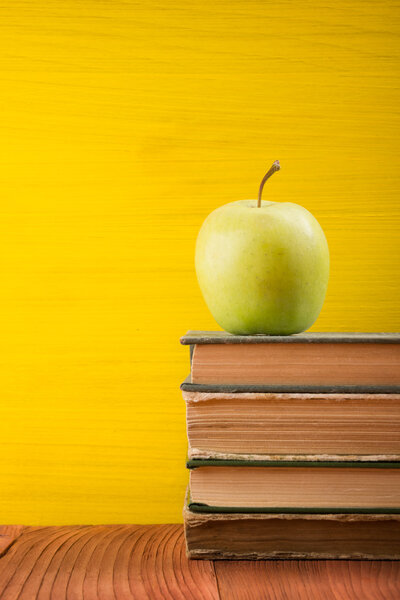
118,562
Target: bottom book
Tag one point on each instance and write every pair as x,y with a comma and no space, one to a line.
280,536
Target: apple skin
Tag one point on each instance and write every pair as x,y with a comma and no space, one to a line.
262,270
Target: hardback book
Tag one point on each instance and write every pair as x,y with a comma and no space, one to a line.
291,536
294,486
293,426
313,362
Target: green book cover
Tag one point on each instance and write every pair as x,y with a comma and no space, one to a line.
327,337
195,463
231,388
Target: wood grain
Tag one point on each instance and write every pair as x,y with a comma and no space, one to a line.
133,562
316,580
102,562
8,535
123,125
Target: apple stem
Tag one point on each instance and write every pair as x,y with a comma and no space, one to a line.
275,167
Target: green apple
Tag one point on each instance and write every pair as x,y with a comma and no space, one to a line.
263,267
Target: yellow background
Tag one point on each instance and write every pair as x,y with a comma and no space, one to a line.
123,125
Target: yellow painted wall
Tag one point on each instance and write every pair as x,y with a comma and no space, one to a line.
123,125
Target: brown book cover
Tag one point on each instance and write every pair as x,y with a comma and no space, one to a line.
358,362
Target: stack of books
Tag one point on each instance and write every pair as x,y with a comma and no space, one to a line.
294,445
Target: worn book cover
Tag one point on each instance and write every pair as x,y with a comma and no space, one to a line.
291,536
293,426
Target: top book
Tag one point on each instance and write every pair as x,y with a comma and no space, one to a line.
325,361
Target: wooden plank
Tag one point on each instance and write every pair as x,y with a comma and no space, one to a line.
102,562
149,562
300,579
